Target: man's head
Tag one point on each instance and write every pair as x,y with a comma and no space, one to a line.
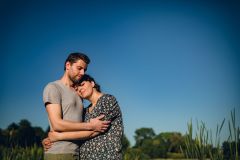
76,66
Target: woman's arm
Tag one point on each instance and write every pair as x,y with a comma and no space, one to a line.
77,135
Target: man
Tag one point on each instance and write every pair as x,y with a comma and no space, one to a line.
64,108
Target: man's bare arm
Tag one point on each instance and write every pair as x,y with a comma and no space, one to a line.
80,135
58,124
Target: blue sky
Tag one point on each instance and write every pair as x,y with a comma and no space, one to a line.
167,62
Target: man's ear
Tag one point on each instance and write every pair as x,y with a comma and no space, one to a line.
67,65
93,84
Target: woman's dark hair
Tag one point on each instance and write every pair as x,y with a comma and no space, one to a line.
88,78
74,57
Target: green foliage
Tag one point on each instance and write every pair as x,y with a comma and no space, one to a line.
198,147
232,146
172,155
171,140
144,141
21,142
143,134
2,137
125,144
229,150
22,135
135,154
157,146
202,146
21,153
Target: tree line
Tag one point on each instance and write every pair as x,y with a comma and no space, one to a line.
148,144
22,134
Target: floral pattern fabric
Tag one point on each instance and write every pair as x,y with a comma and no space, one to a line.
106,146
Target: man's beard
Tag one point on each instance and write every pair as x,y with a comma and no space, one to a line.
74,80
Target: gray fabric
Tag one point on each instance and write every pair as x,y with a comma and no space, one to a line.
71,105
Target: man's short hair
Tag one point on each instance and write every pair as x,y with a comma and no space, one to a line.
74,57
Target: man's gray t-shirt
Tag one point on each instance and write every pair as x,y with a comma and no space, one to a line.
72,109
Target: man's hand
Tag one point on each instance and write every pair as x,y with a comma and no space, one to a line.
47,144
98,125
54,136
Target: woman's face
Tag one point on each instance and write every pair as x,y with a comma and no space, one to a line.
85,89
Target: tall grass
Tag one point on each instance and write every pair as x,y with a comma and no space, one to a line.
234,137
199,147
20,153
203,146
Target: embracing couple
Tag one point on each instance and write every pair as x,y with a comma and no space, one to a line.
76,132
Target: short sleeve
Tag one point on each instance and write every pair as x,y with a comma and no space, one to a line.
110,107
51,95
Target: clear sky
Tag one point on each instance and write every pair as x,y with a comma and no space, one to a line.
167,62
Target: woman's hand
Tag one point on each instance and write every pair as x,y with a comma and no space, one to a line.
54,136
98,125
47,144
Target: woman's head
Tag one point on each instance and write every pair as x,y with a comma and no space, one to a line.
87,86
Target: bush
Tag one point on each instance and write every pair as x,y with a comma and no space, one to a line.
175,155
135,154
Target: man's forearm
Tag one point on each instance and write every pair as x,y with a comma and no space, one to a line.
64,125
76,135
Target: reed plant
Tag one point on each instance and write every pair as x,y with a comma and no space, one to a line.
205,146
234,137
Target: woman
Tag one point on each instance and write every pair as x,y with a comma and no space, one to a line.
100,145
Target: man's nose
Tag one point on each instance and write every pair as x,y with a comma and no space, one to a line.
82,72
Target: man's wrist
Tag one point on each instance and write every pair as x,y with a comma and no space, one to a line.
90,126
60,137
